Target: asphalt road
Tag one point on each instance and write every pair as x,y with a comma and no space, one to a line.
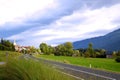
81,73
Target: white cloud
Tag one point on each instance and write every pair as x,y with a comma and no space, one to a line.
74,27
99,19
18,10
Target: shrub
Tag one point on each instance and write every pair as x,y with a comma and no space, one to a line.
117,59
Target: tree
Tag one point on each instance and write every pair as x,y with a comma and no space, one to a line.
86,54
68,45
68,49
6,45
60,50
76,53
65,49
114,54
51,49
118,53
90,51
117,59
38,51
44,48
33,49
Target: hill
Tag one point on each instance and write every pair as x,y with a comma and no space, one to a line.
110,42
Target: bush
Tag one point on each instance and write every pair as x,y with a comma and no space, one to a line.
117,59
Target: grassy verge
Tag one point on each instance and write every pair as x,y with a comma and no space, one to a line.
97,63
3,55
21,69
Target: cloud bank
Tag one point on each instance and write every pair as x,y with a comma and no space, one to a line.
57,21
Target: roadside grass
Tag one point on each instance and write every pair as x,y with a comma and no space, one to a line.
3,55
18,68
2,69
21,69
96,63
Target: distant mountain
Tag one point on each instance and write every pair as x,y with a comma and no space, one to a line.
110,42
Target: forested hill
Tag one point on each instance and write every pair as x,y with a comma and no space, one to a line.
109,42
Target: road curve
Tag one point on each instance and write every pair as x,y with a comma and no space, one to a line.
82,73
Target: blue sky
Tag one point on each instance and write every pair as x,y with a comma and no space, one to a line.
31,22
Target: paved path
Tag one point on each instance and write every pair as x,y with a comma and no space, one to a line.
82,73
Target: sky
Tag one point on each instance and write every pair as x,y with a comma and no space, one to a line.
31,22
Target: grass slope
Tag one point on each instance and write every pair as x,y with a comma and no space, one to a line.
9,53
17,68
103,64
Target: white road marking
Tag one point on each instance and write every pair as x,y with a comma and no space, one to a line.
86,72
71,75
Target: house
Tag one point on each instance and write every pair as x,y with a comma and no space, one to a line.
109,54
20,48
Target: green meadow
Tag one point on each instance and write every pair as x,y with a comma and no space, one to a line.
96,63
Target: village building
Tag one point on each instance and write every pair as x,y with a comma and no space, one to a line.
19,48
109,54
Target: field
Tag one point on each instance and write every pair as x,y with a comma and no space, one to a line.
27,69
96,63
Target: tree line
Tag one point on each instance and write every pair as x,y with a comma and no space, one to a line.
67,49
6,45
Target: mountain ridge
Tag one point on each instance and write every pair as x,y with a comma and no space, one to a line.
110,42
